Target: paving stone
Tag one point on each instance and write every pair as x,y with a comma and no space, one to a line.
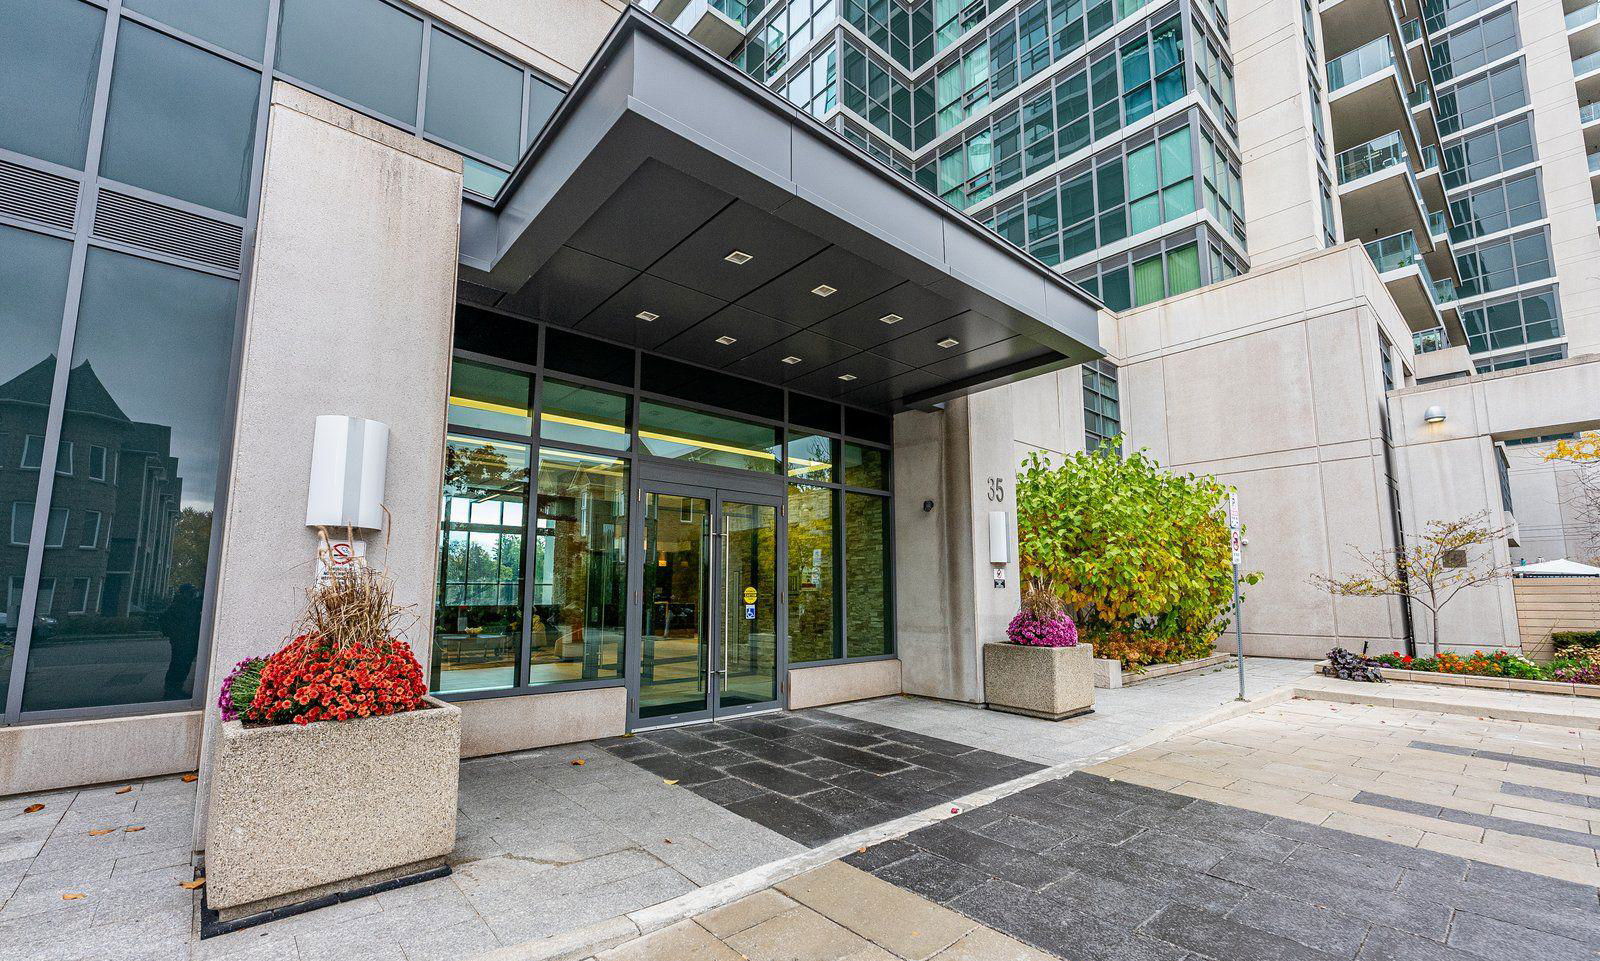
1022,833
1029,869
725,791
745,913
1550,794
1333,865
1423,918
931,876
1387,944
1533,885
1563,920
800,934
1216,936
1174,849
881,854
986,944
1331,932
789,818
1413,859
775,778
1493,939
1055,927
684,941
902,923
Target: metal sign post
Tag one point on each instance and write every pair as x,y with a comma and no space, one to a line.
1237,543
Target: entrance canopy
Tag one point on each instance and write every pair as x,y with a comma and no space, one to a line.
673,204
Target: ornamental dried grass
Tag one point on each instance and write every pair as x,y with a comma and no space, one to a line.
353,603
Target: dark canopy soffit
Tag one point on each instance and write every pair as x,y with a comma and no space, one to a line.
674,204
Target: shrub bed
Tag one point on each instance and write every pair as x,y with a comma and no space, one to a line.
1573,664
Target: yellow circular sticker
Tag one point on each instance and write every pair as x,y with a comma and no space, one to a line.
749,595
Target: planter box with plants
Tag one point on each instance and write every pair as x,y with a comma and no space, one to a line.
1575,670
1040,670
334,769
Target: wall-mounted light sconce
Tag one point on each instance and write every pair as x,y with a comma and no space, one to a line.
1434,414
999,542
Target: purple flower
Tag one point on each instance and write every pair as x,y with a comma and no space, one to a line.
246,676
1027,629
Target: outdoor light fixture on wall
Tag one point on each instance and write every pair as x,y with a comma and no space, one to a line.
349,458
1434,414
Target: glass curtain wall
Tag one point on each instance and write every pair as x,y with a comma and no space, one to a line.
541,456
117,359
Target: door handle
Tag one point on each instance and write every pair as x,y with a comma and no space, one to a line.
727,589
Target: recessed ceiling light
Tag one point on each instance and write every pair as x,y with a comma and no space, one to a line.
791,359
890,319
948,342
737,257
725,340
647,315
823,290
847,377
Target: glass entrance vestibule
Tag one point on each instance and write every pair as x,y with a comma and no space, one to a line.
612,517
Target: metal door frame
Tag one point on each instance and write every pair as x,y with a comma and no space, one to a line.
716,487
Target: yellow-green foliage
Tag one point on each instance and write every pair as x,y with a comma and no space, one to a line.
1133,550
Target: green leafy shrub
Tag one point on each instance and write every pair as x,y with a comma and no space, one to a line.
1139,555
1590,639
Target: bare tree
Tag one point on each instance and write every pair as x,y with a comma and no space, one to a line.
1584,453
1430,569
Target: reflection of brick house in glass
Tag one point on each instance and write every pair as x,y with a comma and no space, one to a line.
116,503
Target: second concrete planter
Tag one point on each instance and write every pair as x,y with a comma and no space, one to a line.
1047,682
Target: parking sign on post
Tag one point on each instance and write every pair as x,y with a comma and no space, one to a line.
1236,542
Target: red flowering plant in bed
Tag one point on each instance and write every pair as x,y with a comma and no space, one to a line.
346,660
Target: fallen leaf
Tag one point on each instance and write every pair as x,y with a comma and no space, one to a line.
33,809
190,778
669,780
72,896
100,831
577,762
629,734
861,850
955,810
191,885
666,840
132,828
124,790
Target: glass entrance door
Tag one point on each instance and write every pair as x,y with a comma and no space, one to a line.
709,604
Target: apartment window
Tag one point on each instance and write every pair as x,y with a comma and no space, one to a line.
32,451
1222,185
873,93
365,51
474,99
1214,73
89,533
1102,418
1482,98
1505,146
1499,264
78,599
240,26
64,465
1496,207
97,462
1330,230
1472,47
55,531
1440,14
49,62
815,87
1526,318
1524,358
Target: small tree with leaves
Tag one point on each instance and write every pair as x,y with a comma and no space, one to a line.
1584,452
1430,569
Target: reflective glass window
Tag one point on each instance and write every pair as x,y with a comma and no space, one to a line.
49,60
477,627
703,438
579,613
33,293
363,50
474,99
237,25
181,121
490,398
149,381
480,178
865,467
867,563
811,458
813,621
570,414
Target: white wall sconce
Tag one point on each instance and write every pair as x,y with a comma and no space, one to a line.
999,542
1434,414
349,458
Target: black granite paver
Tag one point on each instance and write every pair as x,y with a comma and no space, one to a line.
814,776
1550,794
1570,767
1144,874
1545,832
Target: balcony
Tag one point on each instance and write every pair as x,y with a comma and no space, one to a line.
1360,63
1583,16
1378,193
1428,341
1438,227
1586,70
718,24
1403,271
1411,31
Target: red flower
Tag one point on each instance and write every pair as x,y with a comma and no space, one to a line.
308,680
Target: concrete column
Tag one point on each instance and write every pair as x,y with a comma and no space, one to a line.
350,310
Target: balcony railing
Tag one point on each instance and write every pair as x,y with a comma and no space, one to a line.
739,11
1411,30
1377,154
1594,162
1427,341
1421,95
1444,292
1583,15
1589,112
1580,66
1363,61
1437,225
1396,252
1430,156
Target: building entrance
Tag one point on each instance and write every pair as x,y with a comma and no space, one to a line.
709,610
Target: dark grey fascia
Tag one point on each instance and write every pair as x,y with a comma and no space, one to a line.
651,93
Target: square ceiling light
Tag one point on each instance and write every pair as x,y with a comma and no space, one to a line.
647,315
823,290
948,343
890,319
737,258
725,340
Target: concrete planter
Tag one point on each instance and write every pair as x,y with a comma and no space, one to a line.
1048,682
302,811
